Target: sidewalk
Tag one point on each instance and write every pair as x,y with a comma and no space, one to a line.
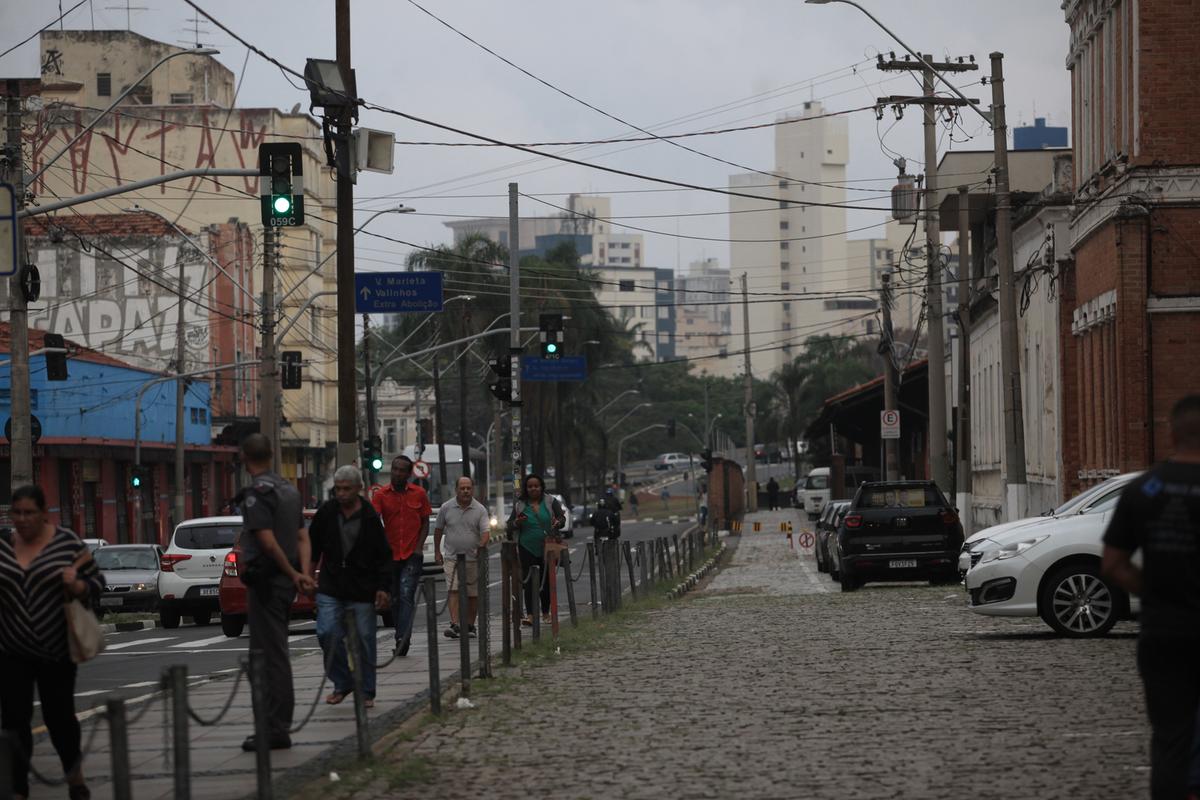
767,683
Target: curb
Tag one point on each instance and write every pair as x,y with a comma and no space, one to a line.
124,627
692,580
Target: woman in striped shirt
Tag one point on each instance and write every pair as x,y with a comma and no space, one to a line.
40,565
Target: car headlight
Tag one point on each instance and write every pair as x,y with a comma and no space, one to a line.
1014,549
142,587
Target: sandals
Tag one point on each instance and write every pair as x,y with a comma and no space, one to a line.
336,697
527,621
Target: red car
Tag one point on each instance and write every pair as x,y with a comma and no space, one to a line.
232,594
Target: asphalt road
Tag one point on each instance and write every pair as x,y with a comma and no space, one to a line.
133,662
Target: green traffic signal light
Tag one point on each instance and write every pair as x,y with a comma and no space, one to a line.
551,347
282,204
377,463
137,481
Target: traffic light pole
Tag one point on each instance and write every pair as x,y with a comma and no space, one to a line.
268,371
21,450
514,339
369,394
347,448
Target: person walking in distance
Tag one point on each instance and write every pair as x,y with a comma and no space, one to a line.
352,553
773,494
534,519
39,562
405,510
633,503
274,564
1159,514
462,528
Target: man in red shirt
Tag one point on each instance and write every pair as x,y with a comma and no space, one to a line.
405,510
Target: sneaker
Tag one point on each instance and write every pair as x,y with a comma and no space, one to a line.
451,632
471,631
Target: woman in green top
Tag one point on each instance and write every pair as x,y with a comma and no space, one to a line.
535,518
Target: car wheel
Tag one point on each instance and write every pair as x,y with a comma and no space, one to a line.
834,571
232,625
822,565
202,618
849,582
168,617
1078,603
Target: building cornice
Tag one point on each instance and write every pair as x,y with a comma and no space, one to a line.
1154,187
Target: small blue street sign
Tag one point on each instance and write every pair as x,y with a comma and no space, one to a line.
567,368
397,292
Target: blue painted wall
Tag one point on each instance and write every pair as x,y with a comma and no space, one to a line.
97,401
1038,136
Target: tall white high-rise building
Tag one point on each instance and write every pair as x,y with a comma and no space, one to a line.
792,245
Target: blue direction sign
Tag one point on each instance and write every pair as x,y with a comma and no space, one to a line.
567,368
397,292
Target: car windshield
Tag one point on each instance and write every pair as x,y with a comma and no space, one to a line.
1080,500
817,482
899,497
112,558
1104,502
206,537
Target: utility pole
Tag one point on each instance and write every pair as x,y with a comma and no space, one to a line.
347,449
748,404
498,462
560,447
18,319
514,338
1010,364
929,102
370,390
963,439
439,432
180,505
268,371
887,347
463,433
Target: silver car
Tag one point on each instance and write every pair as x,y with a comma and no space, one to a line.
130,577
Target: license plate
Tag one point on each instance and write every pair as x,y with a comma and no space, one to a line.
111,601
210,591
903,563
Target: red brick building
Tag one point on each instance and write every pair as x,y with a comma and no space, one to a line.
1130,301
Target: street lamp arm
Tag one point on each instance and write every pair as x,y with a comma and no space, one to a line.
200,51
616,424
692,432
437,347
605,407
977,108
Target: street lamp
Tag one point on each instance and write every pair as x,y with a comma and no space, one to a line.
617,424
605,407
708,433
199,51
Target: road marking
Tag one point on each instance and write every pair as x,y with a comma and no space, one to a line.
813,577
201,642
90,693
141,684
138,643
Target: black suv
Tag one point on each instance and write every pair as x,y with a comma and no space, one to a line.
897,531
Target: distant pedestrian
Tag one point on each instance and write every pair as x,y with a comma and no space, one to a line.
773,493
665,495
534,519
1159,514
633,503
37,564
351,551
462,527
703,509
405,510
274,564
606,522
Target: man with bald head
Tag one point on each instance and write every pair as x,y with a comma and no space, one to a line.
1159,514
462,527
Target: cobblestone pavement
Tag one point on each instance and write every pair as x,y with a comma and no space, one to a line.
767,684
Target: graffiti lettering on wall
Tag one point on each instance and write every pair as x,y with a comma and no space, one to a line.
102,304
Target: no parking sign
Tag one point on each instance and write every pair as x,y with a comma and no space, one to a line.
421,469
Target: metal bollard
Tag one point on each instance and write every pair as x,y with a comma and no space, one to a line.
177,682
535,610
552,581
566,565
515,575
354,660
592,555
262,730
505,605
464,626
627,550
485,645
641,551
118,736
678,555
435,671
614,562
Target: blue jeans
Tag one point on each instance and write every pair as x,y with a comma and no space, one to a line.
406,578
331,633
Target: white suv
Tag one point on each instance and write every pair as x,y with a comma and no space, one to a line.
191,565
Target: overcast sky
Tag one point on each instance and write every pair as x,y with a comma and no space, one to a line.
648,62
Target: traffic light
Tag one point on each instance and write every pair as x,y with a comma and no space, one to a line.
424,432
706,460
292,377
56,363
281,184
372,453
501,385
551,335
137,476
671,428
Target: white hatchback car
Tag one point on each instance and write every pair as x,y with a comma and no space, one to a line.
191,566
1051,569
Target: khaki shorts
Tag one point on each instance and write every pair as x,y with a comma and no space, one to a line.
450,565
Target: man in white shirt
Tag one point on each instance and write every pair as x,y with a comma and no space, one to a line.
462,527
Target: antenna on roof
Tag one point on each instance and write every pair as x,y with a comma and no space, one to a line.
129,9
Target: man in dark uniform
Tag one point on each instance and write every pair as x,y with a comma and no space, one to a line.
773,494
275,565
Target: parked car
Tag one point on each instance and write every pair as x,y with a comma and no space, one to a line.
232,592
827,526
1051,569
897,531
130,577
1085,502
190,569
671,461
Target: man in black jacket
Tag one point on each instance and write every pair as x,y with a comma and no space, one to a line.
355,562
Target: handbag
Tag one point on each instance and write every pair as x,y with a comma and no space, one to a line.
85,639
